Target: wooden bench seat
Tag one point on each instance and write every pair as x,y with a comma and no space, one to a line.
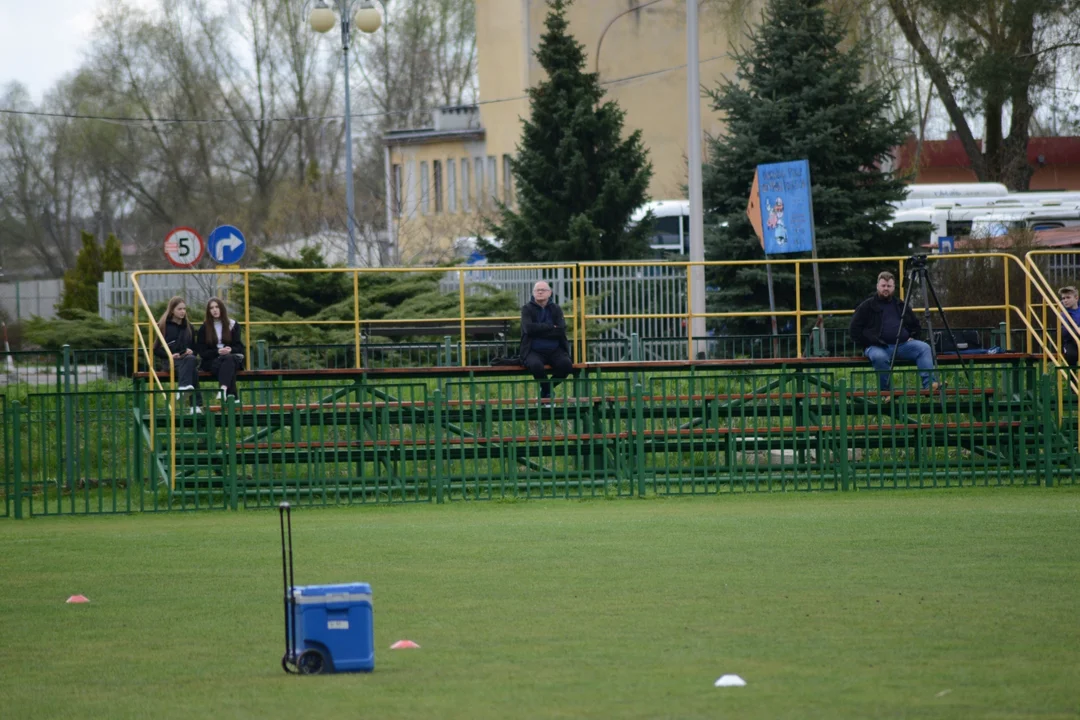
335,374
586,400
748,432
812,429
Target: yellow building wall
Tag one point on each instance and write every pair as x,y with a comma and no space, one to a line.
642,64
426,230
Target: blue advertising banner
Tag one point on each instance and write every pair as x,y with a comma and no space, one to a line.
787,214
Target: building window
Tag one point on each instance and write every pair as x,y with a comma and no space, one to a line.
451,186
436,172
493,183
396,187
409,204
508,182
481,193
425,192
465,184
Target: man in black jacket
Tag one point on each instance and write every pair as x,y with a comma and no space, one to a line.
877,327
543,339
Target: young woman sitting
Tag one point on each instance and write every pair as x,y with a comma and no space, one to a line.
220,346
179,341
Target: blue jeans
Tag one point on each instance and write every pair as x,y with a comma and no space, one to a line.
911,351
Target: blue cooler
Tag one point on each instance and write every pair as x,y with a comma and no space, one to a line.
334,628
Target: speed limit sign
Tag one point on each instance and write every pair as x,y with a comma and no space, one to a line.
183,247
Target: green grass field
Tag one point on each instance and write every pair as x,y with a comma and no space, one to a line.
931,604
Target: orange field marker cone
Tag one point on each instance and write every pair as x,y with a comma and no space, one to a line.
404,645
77,599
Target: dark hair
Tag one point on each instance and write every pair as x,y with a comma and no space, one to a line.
208,323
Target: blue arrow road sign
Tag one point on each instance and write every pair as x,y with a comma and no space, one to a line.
226,245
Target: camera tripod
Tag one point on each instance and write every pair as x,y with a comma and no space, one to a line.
919,276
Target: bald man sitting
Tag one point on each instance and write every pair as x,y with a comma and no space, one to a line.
543,339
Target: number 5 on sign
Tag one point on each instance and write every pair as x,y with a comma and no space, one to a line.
183,247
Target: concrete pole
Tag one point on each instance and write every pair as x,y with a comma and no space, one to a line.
346,21
697,229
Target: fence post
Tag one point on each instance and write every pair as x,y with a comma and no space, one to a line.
639,438
230,414
437,399
1002,337
1050,427
69,419
845,469
262,355
16,441
635,354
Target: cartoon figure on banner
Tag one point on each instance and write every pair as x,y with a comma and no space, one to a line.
776,220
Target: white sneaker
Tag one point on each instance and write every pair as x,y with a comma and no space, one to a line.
183,388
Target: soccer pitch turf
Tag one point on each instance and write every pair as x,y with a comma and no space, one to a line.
928,604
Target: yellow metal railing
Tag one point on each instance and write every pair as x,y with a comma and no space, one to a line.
146,346
1051,335
1037,291
357,321
875,265
1039,299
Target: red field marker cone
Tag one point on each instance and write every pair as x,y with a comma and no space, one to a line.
404,645
76,599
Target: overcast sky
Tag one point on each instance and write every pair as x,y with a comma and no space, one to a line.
43,40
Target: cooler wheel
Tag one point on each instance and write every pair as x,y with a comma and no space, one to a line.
311,662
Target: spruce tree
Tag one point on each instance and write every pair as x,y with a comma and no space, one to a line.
113,259
80,282
577,179
797,93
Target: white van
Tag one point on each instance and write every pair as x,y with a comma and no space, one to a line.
930,194
921,195
671,229
1000,223
1046,197
945,219
943,191
957,220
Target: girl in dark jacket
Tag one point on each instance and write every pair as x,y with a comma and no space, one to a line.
179,343
220,346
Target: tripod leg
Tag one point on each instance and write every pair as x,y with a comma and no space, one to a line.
929,379
912,277
945,322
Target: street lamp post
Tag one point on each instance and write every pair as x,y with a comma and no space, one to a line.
368,20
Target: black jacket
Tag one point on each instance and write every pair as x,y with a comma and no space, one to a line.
178,338
866,323
208,350
532,328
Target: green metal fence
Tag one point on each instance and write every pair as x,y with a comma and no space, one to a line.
603,434
65,369
7,476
